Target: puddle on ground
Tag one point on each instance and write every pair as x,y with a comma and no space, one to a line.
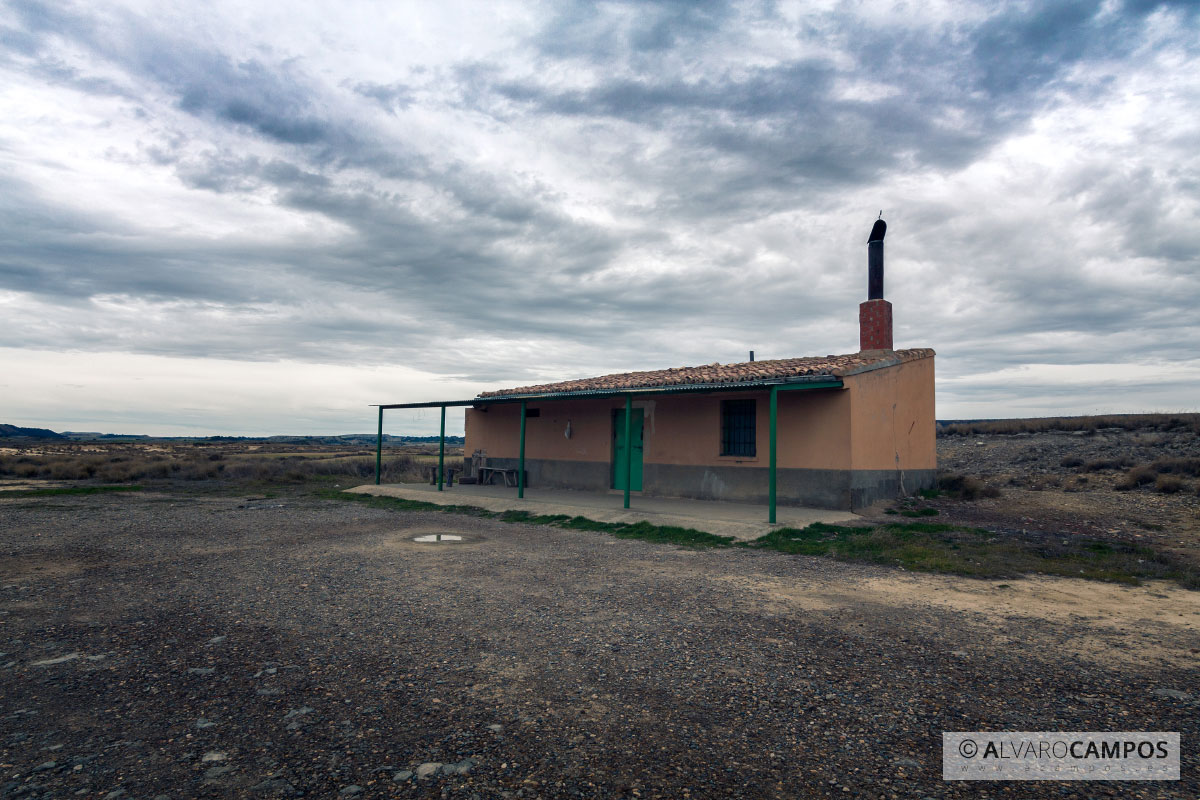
438,537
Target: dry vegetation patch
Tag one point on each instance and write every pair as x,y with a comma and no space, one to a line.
231,463
1132,480
1090,424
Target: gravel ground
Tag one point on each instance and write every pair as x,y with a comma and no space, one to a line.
197,646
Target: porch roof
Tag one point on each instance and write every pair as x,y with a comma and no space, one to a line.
813,372
803,382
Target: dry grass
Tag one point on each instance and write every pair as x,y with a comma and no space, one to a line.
965,487
1168,484
1129,422
228,463
1163,473
1104,464
1138,476
1177,466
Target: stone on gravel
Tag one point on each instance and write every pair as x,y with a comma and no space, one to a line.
351,790
911,763
201,670
296,712
214,755
402,776
495,728
115,794
218,771
274,786
47,766
461,768
203,723
428,768
51,661
1172,693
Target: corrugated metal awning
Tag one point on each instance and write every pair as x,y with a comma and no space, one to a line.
806,382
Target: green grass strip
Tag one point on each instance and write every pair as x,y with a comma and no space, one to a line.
400,504
974,552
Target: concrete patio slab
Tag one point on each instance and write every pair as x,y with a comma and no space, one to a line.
740,520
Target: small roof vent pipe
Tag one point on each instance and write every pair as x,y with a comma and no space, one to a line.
751,355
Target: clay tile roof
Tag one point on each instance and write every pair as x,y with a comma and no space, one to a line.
748,372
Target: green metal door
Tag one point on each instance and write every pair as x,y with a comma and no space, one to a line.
635,437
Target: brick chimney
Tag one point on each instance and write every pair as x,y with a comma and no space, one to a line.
875,315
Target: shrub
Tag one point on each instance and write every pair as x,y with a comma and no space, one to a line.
1071,461
1168,484
1108,463
966,487
1178,466
1138,476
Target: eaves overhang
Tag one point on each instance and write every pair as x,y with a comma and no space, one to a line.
781,384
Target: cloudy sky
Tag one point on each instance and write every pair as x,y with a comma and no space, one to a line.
254,218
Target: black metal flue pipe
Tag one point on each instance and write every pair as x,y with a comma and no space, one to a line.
875,261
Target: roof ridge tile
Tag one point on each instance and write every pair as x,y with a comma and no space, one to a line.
833,366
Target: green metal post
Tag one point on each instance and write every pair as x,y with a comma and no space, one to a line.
771,467
379,448
521,460
628,445
442,450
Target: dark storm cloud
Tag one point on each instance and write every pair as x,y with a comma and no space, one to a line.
274,101
248,94
960,89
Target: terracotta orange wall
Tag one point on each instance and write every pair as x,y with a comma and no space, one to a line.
497,430
814,429
879,432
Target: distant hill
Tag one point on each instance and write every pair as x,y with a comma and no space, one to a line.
344,440
13,431
91,436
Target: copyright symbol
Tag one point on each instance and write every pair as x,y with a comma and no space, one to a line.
967,748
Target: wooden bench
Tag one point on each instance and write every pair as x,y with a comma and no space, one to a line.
486,474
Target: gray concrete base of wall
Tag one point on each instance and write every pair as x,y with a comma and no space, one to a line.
823,488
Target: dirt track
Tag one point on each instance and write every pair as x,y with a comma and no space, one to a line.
214,647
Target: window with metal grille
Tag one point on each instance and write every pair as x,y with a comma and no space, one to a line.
737,427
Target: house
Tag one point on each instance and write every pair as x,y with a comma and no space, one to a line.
835,431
